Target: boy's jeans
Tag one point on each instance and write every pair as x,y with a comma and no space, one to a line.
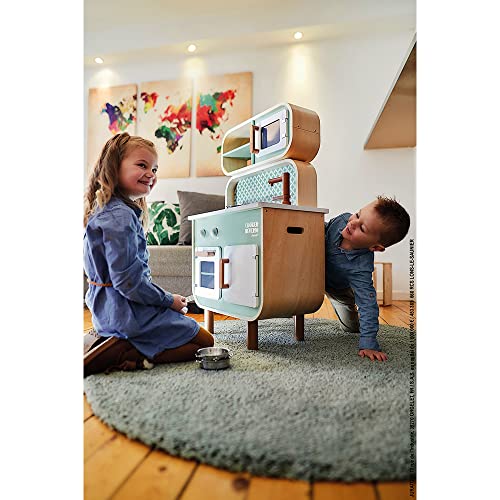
345,308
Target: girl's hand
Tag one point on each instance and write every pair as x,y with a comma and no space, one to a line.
179,303
373,355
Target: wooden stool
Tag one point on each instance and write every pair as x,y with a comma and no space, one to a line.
387,282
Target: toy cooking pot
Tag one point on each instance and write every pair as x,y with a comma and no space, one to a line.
213,358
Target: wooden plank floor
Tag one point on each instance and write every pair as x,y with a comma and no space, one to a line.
117,468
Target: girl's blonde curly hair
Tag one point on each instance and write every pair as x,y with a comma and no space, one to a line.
103,178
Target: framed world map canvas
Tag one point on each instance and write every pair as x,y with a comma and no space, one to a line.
111,110
222,102
164,117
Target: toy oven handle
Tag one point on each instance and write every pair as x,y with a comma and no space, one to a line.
204,253
221,273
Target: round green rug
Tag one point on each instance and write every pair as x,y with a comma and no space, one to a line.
308,410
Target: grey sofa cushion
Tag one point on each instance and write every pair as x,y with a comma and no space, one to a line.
170,268
192,203
170,260
175,284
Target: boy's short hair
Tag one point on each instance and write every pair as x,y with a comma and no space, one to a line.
395,219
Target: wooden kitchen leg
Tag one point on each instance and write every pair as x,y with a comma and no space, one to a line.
252,337
209,320
299,326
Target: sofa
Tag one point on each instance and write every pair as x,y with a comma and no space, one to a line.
171,267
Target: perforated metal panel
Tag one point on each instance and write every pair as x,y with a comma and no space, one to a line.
255,187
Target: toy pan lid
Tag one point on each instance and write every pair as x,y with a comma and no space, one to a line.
282,131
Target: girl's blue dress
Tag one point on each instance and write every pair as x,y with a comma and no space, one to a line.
133,308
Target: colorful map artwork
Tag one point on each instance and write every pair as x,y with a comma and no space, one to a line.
121,115
212,111
176,120
149,100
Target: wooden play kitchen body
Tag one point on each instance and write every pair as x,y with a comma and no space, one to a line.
263,256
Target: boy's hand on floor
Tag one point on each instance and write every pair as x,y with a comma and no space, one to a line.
373,355
179,303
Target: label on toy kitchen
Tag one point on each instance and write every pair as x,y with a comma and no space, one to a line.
252,228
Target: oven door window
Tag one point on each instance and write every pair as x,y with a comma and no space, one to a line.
207,275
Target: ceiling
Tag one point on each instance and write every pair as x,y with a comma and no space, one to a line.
126,30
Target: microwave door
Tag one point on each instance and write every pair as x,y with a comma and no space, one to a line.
270,134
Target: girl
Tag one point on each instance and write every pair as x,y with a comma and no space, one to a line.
137,322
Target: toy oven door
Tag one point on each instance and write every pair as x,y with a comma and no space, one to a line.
270,134
207,272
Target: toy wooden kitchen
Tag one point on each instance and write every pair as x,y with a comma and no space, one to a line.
263,256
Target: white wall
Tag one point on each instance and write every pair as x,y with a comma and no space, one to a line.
345,80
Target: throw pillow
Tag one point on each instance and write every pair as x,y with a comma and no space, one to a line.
164,223
194,204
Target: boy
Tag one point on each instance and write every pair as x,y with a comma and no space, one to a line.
350,241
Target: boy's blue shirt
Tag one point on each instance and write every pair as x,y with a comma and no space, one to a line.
353,269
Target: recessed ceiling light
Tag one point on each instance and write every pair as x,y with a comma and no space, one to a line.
298,35
192,48
98,60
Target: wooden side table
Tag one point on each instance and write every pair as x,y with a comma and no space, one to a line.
387,282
